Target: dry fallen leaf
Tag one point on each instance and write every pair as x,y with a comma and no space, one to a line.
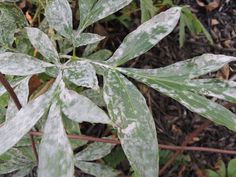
209,6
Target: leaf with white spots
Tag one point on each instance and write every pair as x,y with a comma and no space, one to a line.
96,169
21,64
43,44
82,74
55,153
187,69
177,90
59,16
14,129
97,10
136,129
148,10
100,55
22,92
95,96
81,109
94,151
12,82
146,36
87,38
225,90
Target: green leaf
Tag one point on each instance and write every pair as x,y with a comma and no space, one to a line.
95,96
11,17
81,73
134,122
59,16
21,64
100,55
181,31
80,109
97,170
183,70
87,38
55,153
97,10
211,173
14,129
222,170
148,10
22,92
94,151
43,44
23,172
12,82
146,36
231,170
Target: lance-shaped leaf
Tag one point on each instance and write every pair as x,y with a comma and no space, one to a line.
148,10
100,55
13,83
55,153
14,129
192,101
225,90
81,73
136,130
94,151
21,64
97,11
182,70
43,44
146,36
87,38
22,92
59,16
81,109
97,170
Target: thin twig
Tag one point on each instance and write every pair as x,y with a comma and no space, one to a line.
15,99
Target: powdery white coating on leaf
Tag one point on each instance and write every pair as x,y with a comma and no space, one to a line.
21,64
183,70
94,151
59,16
43,44
14,129
87,38
82,73
55,153
102,9
85,7
96,169
22,92
13,83
81,109
136,130
146,36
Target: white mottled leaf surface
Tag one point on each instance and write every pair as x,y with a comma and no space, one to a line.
22,92
43,44
81,73
146,36
21,64
134,122
59,16
96,169
87,38
13,83
98,10
55,153
81,109
94,151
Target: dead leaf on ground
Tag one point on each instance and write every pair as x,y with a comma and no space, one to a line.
209,6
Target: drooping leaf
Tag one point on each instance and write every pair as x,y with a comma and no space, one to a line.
231,170
81,109
146,36
87,38
147,10
97,10
22,92
183,70
43,44
81,73
11,18
97,170
21,64
59,16
14,129
55,153
134,122
94,151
